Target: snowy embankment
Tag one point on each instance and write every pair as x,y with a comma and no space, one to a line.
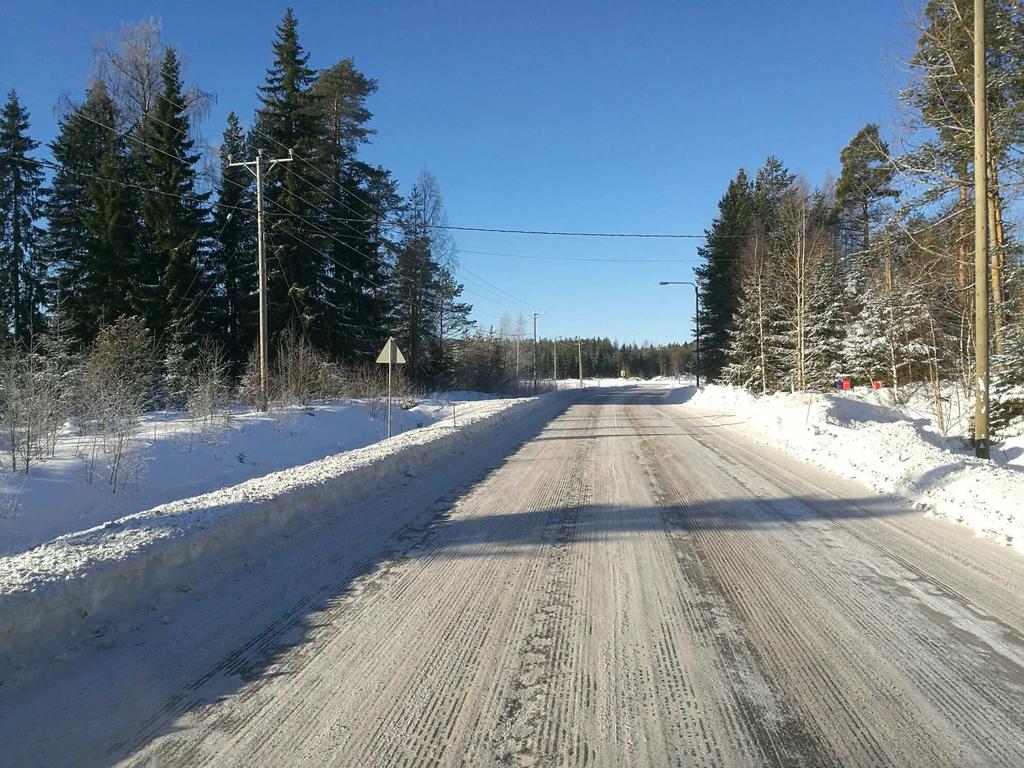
63,587
894,448
175,457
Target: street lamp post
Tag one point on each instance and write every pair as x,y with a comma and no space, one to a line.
696,316
535,316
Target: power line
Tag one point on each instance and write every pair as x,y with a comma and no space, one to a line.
577,258
63,168
497,290
566,234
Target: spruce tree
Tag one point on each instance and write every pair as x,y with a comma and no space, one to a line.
759,355
175,219
413,302
826,327
21,268
358,198
771,183
888,340
1007,401
288,120
416,289
718,278
452,320
91,209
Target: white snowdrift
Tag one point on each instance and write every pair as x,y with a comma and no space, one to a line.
888,447
70,584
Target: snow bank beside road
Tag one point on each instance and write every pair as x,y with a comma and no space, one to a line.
71,584
174,457
885,447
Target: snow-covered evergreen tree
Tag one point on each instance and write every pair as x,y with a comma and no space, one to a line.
759,355
826,328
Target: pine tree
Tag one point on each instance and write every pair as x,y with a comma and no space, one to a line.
91,208
175,219
942,96
288,120
864,182
21,268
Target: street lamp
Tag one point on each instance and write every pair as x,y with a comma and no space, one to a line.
696,316
535,316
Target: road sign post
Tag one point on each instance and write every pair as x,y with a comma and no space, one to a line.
391,355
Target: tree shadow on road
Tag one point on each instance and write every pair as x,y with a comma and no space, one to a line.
331,572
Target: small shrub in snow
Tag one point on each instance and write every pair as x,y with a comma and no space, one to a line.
116,388
249,384
209,387
21,405
297,369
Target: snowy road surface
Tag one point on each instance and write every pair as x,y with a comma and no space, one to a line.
628,582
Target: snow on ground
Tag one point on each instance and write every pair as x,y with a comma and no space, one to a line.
894,448
630,381
176,458
66,585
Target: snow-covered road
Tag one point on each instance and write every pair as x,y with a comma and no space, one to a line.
625,581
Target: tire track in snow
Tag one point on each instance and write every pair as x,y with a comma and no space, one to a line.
619,591
894,700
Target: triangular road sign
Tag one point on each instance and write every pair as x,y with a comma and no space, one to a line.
391,353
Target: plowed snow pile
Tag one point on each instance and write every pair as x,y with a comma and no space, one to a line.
49,590
894,448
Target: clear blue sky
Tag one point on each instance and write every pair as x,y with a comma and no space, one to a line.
590,116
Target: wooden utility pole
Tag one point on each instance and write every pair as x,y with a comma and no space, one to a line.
518,382
554,358
257,168
579,349
981,430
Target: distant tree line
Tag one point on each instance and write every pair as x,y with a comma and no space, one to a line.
871,276
503,360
